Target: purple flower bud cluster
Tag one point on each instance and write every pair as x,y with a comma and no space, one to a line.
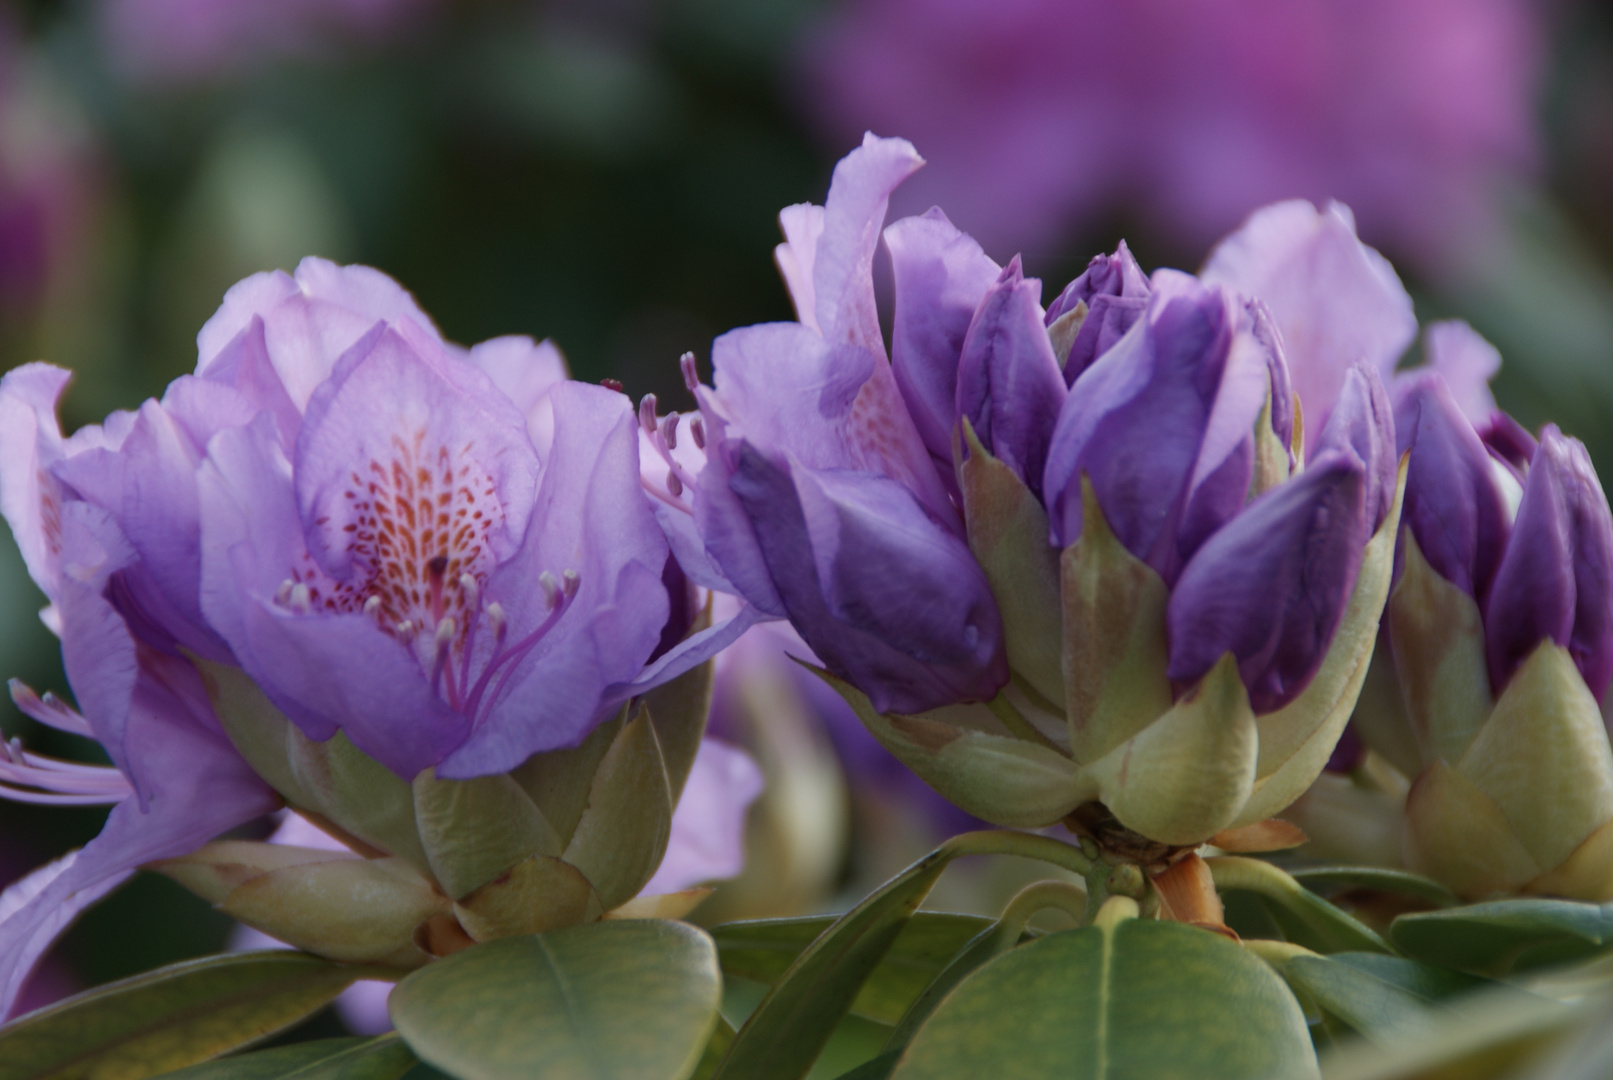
1523,527
829,495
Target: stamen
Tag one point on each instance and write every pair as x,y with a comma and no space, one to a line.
691,374
372,605
300,601
406,629
571,582
439,660
669,430
49,710
471,594
282,595
674,485
551,590
697,429
646,413
495,619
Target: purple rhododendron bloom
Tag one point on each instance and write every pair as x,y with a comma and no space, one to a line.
444,553
1114,290
1043,116
818,499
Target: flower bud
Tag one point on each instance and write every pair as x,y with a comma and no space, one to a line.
1495,658
1095,310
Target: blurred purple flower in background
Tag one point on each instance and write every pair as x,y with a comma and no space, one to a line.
1040,116
183,40
49,177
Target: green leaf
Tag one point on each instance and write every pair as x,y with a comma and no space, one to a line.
631,999
1424,980
765,948
788,1030
169,1018
1505,935
1375,1007
1326,879
384,1058
722,1037
878,1068
1135,999
1305,918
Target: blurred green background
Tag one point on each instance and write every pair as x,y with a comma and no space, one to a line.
606,174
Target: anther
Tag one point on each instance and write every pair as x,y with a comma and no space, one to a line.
697,430
406,629
445,633
282,595
691,374
646,413
495,619
674,485
551,589
470,593
372,605
571,581
300,601
669,430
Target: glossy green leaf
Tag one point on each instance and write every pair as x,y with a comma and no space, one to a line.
1505,935
1328,879
788,1030
1136,999
632,999
765,948
1304,917
384,1058
1424,980
169,1018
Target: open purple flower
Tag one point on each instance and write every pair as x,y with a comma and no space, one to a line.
443,555
818,499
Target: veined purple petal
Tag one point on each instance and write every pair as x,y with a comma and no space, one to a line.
1115,290
590,517
853,214
1556,578
1336,301
940,276
782,388
388,443
1363,424
1453,505
887,598
1271,585
30,443
1009,385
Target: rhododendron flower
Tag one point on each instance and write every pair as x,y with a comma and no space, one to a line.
341,524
